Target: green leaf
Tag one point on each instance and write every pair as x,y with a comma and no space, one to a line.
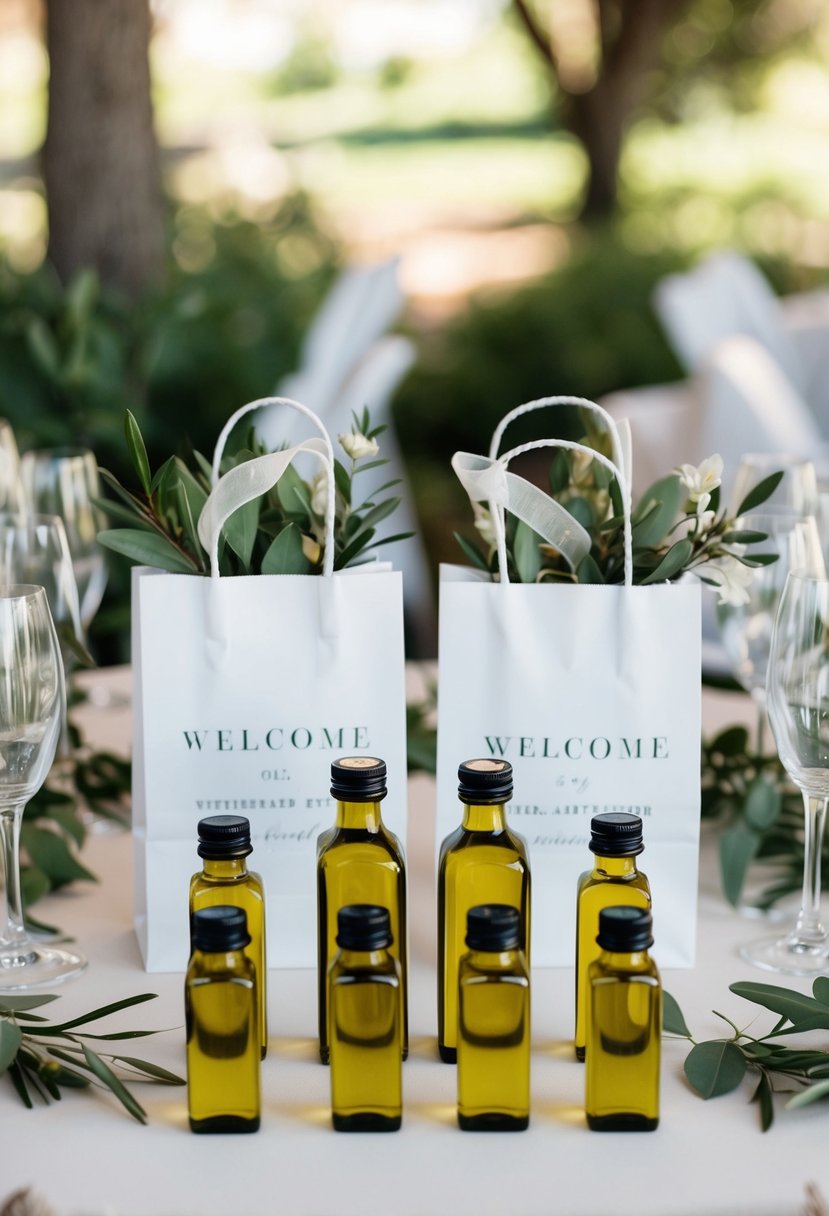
763,1096
18,1004
763,804
820,989
731,742
581,511
137,451
588,571
148,549
342,480
11,1036
292,491
807,1096
760,493
50,853
472,552
44,349
672,563
240,531
744,536
35,884
525,552
361,541
668,493
379,513
81,295
68,821
19,1082
804,1012
135,505
104,1073
715,1068
559,472
152,1070
391,540
105,1010
738,848
284,555
673,1021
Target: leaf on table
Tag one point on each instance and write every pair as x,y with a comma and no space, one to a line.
152,1070
820,989
11,1036
14,1004
815,1093
763,1097
715,1067
104,1010
673,1021
804,1012
105,1074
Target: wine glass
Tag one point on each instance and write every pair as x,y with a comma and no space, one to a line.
32,697
746,628
798,697
65,482
11,486
798,487
34,549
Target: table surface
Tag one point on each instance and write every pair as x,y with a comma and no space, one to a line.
85,1155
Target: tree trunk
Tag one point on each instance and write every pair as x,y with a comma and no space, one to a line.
100,158
599,123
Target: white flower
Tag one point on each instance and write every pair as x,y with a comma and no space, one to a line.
732,579
356,445
701,482
484,524
319,493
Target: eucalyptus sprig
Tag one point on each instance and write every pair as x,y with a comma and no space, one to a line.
40,1058
282,532
678,525
762,816
718,1066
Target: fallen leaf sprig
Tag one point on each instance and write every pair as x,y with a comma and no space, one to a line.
718,1066
41,1058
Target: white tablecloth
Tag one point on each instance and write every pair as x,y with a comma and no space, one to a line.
87,1156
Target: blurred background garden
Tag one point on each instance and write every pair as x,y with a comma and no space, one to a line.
538,166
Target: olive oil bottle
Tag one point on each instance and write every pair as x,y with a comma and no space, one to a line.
222,1018
494,1023
624,1023
481,862
224,843
616,841
358,862
365,1023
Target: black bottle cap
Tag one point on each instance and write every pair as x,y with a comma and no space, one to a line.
363,927
616,834
493,927
224,836
484,782
625,929
358,779
220,928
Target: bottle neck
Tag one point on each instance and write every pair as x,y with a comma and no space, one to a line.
485,818
614,867
217,962
358,959
363,815
225,867
494,960
621,960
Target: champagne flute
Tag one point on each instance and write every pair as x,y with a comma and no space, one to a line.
11,486
65,482
746,628
34,549
32,697
798,696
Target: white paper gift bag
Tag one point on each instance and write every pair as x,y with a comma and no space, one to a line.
246,689
592,693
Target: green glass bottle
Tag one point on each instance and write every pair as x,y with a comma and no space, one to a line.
493,1023
624,1024
358,862
224,843
483,861
222,1019
365,1023
616,841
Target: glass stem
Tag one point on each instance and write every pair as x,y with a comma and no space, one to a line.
809,930
13,931
758,695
